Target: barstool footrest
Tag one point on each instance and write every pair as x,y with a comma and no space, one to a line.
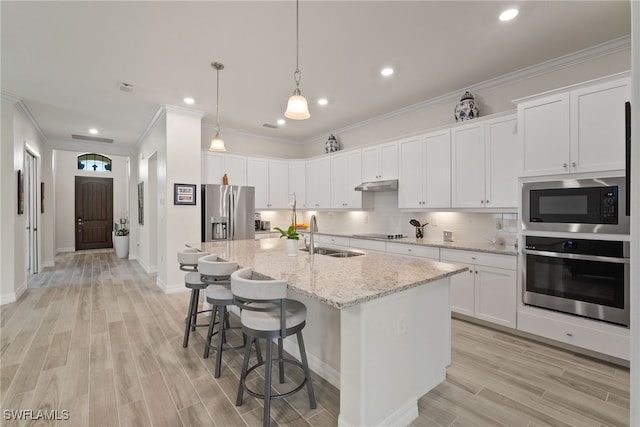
280,395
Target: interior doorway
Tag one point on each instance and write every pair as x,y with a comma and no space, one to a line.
31,211
93,212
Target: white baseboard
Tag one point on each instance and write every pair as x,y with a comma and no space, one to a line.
149,269
69,249
170,289
318,366
48,264
13,296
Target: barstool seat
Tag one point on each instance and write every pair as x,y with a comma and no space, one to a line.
267,313
216,272
188,260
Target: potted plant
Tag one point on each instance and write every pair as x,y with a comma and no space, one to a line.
121,238
290,233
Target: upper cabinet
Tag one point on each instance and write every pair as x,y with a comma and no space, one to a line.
346,173
216,165
380,162
318,183
297,182
424,171
579,130
484,164
271,181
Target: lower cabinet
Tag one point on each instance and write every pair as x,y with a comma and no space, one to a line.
489,290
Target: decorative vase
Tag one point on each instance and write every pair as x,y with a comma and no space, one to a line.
466,109
292,247
121,245
331,145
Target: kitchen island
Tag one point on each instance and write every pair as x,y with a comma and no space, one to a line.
378,325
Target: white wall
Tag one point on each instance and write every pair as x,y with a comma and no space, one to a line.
66,169
493,98
17,133
247,144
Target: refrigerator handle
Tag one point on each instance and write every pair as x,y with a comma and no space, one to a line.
232,216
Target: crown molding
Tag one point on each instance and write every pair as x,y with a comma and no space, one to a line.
161,112
524,73
182,110
19,103
10,98
233,131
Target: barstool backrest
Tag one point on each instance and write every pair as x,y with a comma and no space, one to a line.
271,295
213,266
188,258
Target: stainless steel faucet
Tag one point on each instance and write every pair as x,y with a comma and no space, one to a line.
313,228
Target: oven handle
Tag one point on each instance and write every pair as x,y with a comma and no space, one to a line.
577,256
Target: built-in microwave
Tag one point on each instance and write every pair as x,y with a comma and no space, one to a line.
596,205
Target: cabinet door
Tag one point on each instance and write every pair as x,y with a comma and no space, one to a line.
278,184
389,160
258,177
318,183
410,178
463,291
371,164
297,182
502,162
598,127
544,135
339,165
236,169
212,168
437,172
353,198
468,166
495,295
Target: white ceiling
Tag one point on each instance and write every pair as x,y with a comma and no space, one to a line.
66,60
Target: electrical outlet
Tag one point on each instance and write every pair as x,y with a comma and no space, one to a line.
402,324
498,225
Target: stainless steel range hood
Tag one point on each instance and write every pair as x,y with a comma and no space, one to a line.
390,185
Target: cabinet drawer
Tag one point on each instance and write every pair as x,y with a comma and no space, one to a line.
603,341
414,250
332,240
479,258
372,245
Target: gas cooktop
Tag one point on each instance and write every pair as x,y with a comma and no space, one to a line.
380,236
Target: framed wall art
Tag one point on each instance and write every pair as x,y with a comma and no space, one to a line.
42,197
20,193
184,194
141,203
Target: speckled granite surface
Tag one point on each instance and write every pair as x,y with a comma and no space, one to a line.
339,282
471,246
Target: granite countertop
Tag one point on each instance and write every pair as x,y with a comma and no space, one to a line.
470,246
339,282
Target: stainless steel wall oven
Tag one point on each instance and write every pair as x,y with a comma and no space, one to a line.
584,277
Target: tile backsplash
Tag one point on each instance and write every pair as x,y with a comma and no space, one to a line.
387,218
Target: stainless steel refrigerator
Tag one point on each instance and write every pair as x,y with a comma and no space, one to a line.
227,212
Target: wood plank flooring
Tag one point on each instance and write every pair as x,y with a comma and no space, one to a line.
95,337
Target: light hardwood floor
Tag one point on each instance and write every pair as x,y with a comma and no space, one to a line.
95,337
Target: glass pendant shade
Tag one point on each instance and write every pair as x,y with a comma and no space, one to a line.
217,143
297,108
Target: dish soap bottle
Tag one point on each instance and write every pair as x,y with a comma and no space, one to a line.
225,180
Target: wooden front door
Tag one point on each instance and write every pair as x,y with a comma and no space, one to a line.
94,212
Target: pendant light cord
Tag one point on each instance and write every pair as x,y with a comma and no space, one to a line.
297,74
218,66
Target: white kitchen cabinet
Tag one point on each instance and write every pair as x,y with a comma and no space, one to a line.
270,178
331,240
215,165
297,182
468,166
346,174
370,245
424,171
380,162
318,183
485,164
429,252
489,290
579,130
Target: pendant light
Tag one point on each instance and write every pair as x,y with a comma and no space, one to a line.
297,108
217,144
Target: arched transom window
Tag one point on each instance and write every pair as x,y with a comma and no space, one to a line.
94,162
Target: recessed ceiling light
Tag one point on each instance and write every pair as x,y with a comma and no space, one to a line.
281,122
508,14
387,71
323,101
189,100
93,131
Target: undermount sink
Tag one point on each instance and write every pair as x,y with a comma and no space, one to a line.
336,253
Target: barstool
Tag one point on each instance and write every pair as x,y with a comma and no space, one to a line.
267,313
216,273
188,260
